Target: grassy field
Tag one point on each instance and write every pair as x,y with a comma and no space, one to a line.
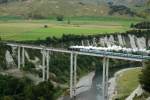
34,29
127,83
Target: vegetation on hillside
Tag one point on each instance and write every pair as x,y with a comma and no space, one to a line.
12,88
144,80
145,77
121,10
141,25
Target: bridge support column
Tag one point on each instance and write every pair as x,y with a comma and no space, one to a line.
23,57
43,64
75,73
19,64
71,75
47,64
105,78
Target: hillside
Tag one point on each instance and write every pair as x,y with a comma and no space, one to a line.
130,2
46,8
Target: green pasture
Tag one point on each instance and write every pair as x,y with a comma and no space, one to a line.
34,29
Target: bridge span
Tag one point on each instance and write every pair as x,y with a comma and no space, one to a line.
73,62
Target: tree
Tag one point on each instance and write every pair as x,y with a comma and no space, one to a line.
132,25
8,98
145,77
43,91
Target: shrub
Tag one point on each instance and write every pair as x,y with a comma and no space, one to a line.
60,18
45,26
141,25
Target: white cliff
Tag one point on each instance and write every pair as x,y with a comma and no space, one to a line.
107,42
94,42
35,61
102,42
112,40
132,41
9,59
120,40
141,42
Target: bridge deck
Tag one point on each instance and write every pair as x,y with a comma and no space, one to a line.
122,56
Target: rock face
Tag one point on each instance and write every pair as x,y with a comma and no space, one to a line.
128,41
9,60
35,61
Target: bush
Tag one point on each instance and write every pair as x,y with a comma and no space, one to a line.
43,91
45,26
141,25
12,88
60,18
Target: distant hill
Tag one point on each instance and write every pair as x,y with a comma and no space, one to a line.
46,8
130,2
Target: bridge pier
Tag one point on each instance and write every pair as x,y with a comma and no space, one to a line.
45,61
73,74
45,64
19,56
105,78
23,57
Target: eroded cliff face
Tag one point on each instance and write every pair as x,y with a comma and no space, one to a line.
10,63
128,41
6,59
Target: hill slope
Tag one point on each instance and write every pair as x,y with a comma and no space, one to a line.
130,2
42,8
45,8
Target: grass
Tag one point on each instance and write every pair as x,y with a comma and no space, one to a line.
34,29
127,83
